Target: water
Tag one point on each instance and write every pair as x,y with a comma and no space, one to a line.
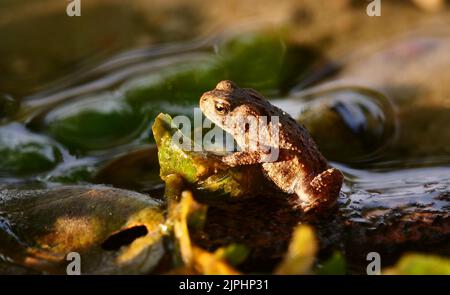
94,127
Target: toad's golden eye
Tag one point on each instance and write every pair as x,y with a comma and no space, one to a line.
221,108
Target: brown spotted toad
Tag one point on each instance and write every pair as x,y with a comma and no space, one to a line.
299,168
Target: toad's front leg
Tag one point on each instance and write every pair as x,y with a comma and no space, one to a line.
256,157
243,158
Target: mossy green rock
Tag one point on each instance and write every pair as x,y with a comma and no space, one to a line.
25,153
95,123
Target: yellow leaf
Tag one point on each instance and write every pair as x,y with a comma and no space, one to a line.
301,253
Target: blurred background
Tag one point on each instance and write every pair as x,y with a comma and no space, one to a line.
41,44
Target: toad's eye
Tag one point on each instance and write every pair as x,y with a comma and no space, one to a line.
221,108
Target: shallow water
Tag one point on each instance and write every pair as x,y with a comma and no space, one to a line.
93,126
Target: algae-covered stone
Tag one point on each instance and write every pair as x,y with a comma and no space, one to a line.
266,61
174,88
98,122
23,152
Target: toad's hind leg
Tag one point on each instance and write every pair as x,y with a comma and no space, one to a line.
322,191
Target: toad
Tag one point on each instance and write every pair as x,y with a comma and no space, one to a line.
299,168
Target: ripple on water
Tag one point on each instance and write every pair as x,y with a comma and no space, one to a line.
398,206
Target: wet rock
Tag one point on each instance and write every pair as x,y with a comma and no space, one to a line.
409,72
98,122
114,231
136,170
24,153
350,124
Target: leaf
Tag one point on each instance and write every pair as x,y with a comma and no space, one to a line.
172,157
184,214
334,266
205,172
301,254
180,214
234,254
419,264
209,264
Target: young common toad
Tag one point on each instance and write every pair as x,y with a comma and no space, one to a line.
298,169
